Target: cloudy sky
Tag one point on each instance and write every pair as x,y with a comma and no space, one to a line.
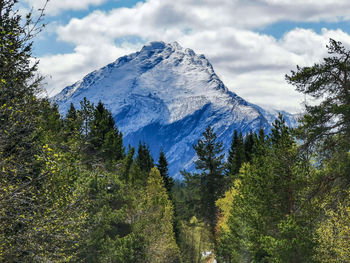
252,44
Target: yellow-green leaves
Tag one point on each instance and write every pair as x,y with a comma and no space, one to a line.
225,206
333,234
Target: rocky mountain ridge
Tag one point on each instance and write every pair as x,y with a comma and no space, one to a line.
166,96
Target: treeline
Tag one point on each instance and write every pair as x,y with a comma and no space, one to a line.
70,191
290,201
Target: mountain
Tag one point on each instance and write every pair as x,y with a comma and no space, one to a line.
166,96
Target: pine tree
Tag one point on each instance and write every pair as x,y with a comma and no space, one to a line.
72,122
261,135
283,145
19,108
51,123
163,169
19,125
51,116
157,221
267,193
236,156
240,152
231,163
105,140
210,162
325,134
86,115
328,81
249,146
107,237
127,163
144,158
101,123
332,234
35,189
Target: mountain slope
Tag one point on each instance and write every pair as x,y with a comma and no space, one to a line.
167,95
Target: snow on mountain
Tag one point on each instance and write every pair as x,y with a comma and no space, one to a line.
166,96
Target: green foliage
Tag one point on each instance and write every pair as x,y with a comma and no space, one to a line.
21,172
163,169
262,225
325,129
187,196
236,156
212,180
86,114
36,225
195,237
327,81
68,192
127,164
17,73
241,151
50,124
332,234
144,158
72,124
249,142
104,138
107,236
155,217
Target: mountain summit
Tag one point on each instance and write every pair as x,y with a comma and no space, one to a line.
166,96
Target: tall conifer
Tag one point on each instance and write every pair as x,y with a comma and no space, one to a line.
212,180
144,158
163,169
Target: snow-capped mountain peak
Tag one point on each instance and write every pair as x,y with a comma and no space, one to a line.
166,95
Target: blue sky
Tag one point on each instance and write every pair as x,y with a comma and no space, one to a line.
278,29
49,43
251,44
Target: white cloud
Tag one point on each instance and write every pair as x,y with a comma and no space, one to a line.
65,69
56,6
251,64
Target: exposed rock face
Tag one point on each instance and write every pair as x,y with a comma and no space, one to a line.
166,96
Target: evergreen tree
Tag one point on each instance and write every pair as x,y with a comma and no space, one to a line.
20,171
104,139
72,122
187,196
231,163
112,148
101,123
163,169
263,225
236,156
283,145
19,107
51,124
51,118
107,237
157,221
249,146
228,244
328,81
210,162
86,114
240,152
332,234
325,131
261,135
144,158
128,161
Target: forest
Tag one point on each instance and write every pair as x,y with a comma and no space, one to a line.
71,191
